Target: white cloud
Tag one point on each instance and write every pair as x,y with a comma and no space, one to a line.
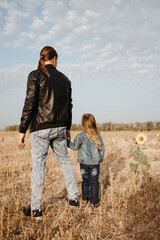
38,25
14,79
30,5
14,21
4,4
28,35
54,10
71,15
120,38
92,14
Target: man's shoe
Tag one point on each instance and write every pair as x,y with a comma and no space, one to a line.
74,203
37,214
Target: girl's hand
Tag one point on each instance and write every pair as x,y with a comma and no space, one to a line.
69,135
21,138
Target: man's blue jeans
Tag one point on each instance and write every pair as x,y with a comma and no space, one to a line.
40,142
90,183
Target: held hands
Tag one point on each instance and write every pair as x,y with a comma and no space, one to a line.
68,135
21,138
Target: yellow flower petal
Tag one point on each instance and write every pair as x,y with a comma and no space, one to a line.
141,138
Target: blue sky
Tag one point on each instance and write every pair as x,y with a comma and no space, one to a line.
109,50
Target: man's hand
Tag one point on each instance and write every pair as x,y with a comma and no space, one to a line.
69,135
21,138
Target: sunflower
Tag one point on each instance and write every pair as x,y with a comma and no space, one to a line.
141,138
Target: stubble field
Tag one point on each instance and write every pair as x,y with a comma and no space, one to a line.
130,203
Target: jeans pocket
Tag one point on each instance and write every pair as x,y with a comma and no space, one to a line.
94,172
82,170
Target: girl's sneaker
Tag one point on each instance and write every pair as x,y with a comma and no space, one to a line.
97,204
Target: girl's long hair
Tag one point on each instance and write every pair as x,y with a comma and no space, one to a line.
47,53
90,128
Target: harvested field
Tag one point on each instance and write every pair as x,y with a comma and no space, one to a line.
130,204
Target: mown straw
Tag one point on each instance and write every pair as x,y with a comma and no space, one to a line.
129,208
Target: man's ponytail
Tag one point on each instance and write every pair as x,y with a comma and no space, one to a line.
47,53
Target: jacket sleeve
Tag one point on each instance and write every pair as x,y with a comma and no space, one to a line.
30,104
102,150
76,144
70,106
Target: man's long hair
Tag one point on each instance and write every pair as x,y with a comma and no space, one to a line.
47,53
90,128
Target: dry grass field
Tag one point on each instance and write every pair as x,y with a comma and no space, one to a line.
130,204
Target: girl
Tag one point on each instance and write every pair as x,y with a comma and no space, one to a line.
90,154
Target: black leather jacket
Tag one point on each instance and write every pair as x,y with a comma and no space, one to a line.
48,102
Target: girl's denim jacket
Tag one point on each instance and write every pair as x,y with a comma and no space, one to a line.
88,153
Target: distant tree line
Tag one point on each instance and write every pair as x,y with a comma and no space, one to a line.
138,126
109,126
12,128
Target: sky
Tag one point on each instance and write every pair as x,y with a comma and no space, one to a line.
109,49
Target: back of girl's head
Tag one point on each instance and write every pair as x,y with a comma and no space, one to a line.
47,53
88,122
90,128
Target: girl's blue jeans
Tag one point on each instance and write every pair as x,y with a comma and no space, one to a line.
40,142
90,183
